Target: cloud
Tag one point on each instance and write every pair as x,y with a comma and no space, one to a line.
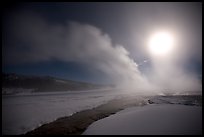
30,38
39,40
172,78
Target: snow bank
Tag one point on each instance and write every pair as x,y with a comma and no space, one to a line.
151,119
22,113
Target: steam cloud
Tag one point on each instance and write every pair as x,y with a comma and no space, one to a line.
83,43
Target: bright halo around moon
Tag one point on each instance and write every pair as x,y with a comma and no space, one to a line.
161,43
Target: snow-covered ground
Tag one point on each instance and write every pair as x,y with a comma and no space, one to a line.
25,111
157,119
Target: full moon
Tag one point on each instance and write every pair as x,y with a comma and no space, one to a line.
160,43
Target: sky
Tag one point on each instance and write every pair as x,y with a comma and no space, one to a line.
103,42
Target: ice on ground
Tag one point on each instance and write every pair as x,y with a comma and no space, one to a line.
24,112
152,119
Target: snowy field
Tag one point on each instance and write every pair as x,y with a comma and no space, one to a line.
153,119
25,111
